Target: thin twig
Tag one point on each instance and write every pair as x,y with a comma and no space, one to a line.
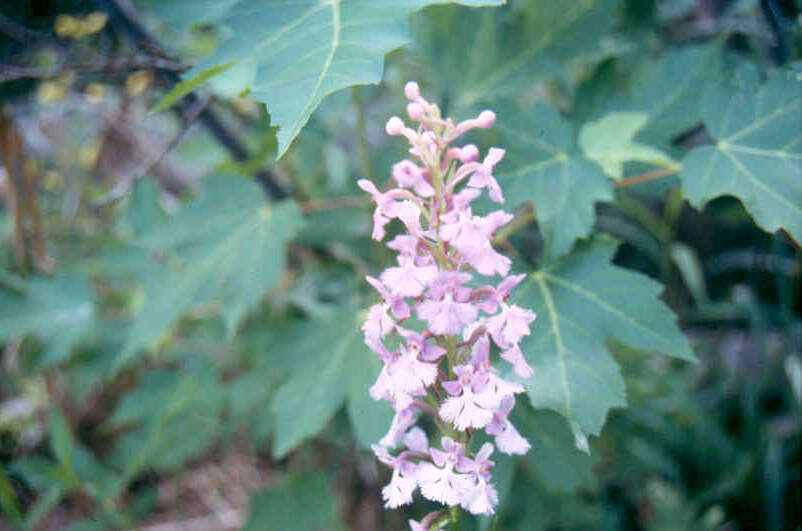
20,33
316,205
364,145
647,177
10,148
121,189
30,196
100,66
211,521
200,107
121,17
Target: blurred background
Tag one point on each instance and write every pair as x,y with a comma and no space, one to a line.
134,394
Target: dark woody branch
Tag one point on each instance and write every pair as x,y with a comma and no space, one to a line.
106,65
127,24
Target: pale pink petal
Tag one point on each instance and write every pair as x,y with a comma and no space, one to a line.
377,324
446,316
519,364
464,412
481,499
511,442
399,491
442,485
401,422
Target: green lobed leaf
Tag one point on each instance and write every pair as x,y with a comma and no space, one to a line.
302,503
559,466
609,142
504,472
39,472
75,469
44,504
163,410
8,498
144,213
370,419
187,13
248,399
543,165
230,247
291,55
668,91
757,154
58,310
480,55
581,304
336,366
62,440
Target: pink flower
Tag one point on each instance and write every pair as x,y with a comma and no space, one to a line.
439,481
417,342
488,297
483,177
462,230
444,243
405,244
519,364
497,388
510,325
406,173
403,374
411,90
482,497
378,324
416,441
451,282
416,112
446,316
468,153
480,466
507,439
468,406
403,483
462,199
402,421
409,214
409,280
395,126
489,262
470,235
493,221
387,205
485,120
394,302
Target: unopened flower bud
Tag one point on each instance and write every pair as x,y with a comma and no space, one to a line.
486,119
411,90
415,111
395,126
468,153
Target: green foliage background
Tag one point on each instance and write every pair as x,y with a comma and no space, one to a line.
655,167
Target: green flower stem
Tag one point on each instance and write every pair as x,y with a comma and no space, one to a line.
455,515
441,522
364,145
451,353
523,218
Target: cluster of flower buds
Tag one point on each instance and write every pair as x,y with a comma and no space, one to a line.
444,368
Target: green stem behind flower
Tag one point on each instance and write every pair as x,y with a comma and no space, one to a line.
455,514
364,144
